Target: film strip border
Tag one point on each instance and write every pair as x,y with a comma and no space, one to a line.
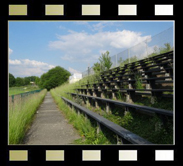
91,155
89,10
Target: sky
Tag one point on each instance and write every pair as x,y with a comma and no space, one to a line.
37,46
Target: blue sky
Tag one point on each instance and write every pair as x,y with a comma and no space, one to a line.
37,46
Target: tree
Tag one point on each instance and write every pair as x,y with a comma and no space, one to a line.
166,49
96,68
54,77
11,80
37,80
26,80
105,61
19,81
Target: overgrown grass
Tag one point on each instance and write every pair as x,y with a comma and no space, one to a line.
22,89
86,128
148,127
161,102
21,114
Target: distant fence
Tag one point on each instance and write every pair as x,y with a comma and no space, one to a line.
19,96
150,46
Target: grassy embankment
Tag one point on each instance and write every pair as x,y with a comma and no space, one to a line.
86,128
148,127
22,89
21,114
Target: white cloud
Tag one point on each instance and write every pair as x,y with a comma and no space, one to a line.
27,67
10,51
14,62
84,47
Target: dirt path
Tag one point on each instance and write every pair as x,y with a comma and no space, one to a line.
50,127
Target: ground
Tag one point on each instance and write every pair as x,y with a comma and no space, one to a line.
50,127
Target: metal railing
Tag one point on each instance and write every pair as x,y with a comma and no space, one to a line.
149,47
123,135
139,108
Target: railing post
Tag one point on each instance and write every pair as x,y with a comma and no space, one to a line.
98,127
113,95
108,108
78,112
126,110
12,97
119,140
88,102
86,117
72,108
96,102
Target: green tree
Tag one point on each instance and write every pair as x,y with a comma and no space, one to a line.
96,68
11,80
19,81
54,77
37,80
105,61
26,81
166,48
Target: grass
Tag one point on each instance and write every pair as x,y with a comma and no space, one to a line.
163,103
148,127
21,114
86,128
22,89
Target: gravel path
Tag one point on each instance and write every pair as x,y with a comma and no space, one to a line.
50,127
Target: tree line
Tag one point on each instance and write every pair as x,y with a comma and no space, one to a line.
51,79
21,81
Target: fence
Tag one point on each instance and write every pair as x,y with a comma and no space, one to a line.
19,96
159,43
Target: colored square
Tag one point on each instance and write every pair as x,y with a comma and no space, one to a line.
91,155
54,155
127,9
17,10
18,155
164,155
90,9
54,10
163,9
127,155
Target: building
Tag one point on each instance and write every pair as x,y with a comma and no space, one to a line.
75,77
